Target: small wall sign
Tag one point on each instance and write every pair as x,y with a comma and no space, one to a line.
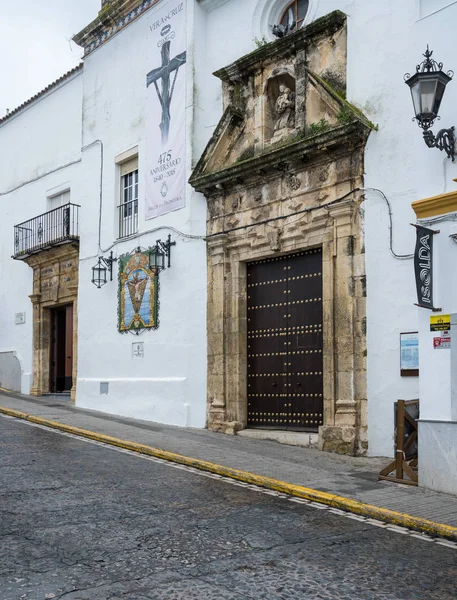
19,318
409,354
138,350
440,322
443,342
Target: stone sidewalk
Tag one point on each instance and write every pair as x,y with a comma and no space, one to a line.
352,477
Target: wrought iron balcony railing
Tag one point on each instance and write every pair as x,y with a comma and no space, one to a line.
128,218
53,228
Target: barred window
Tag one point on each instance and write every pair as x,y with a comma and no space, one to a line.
128,209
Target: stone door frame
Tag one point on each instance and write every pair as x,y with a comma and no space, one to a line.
42,344
59,293
335,230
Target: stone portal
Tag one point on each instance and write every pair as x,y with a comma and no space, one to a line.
282,175
55,338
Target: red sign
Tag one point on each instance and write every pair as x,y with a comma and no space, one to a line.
441,342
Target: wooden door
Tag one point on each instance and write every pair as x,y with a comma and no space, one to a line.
285,343
61,349
53,353
68,347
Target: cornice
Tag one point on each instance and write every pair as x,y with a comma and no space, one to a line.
283,47
112,18
344,138
436,205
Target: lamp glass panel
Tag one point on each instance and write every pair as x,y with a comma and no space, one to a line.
99,274
428,94
441,86
159,259
416,96
156,260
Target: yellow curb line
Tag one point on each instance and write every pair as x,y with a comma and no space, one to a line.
354,506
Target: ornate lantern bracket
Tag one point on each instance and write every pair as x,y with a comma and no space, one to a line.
427,87
100,270
159,254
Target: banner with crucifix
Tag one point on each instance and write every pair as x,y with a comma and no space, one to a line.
166,116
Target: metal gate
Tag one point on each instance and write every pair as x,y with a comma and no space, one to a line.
285,382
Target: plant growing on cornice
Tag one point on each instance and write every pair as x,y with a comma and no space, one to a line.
260,42
345,116
319,127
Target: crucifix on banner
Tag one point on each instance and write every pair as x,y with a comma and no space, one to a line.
164,72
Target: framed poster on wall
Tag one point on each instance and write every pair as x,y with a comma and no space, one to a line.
409,354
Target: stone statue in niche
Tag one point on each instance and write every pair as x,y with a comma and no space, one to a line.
285,110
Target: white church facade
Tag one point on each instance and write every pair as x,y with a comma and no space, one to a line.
161,197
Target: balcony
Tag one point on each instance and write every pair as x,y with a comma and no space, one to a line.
53,228
128,218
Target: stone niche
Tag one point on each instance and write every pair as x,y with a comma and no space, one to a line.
55,283
279,105
275,189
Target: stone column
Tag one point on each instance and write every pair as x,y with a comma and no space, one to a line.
36,389
216,401
300,89
236,349
75,352
343,434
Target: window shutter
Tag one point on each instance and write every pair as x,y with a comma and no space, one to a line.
129,166
59,200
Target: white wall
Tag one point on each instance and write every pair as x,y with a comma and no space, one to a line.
438,456
34,145
169,384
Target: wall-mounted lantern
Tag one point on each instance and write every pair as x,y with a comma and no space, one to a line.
427,89
100,270
159,254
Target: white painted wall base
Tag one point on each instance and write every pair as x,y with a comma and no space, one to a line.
438,455
142,398
10,372
26,383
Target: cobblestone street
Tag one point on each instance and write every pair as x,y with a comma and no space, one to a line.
81,521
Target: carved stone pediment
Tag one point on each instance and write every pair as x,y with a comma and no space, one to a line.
283,103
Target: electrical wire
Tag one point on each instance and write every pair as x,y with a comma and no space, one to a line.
139,234
100,190
225,231
136,235
389,208
306,210
282,217
18,187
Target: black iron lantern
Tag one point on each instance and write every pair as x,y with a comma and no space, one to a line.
157,260
160,254
427,87
101,269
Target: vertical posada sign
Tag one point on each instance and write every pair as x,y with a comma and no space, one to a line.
423,266
166,129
